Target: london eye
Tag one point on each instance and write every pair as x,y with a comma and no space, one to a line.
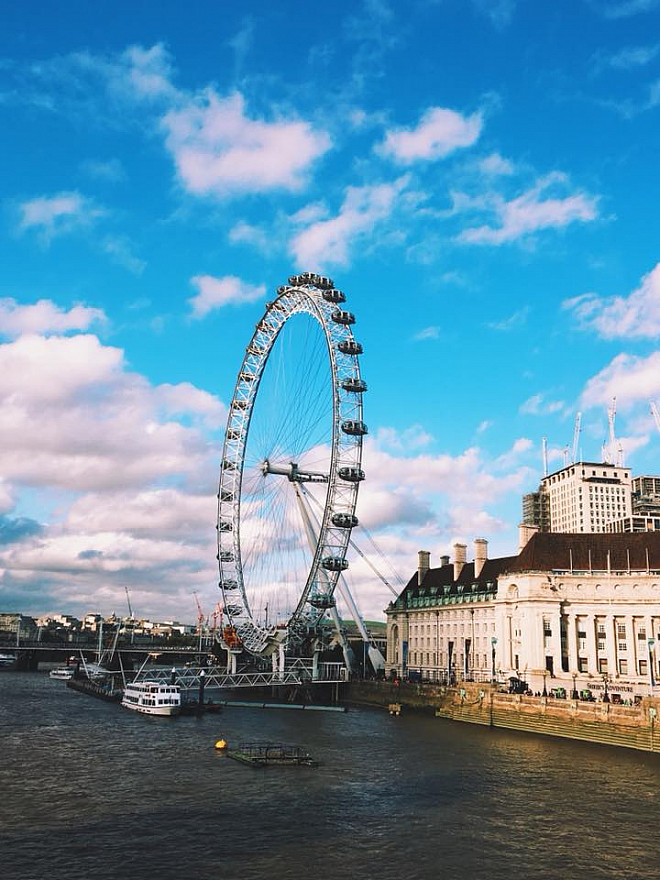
291,467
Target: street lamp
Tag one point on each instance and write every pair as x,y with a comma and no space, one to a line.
545,677
493,643
606,696
574,695
651,643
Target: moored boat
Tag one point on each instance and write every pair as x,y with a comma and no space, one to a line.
63,673
152,698
7,661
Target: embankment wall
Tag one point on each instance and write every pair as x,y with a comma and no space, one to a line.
633,727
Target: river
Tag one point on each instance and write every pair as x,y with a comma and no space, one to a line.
90,791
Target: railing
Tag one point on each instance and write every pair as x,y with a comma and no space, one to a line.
295,673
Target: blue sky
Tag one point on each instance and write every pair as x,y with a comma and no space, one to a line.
479,177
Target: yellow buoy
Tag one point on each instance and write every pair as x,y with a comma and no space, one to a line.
221,744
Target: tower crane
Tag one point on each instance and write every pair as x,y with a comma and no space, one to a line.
576,436
200,619
545,456
655,414
128,599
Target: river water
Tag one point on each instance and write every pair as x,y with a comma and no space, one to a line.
90,791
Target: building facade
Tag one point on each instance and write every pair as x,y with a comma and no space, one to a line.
582,497
577,611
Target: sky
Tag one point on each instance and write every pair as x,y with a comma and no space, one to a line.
479,176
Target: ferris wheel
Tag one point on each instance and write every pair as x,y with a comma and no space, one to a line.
291,466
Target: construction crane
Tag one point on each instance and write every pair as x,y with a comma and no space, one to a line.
576,436
201,618
128,599
545,456
655,414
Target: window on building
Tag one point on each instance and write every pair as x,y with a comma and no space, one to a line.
623,647
623,667
602,665
582,664
643,667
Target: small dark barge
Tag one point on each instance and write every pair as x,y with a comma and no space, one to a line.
271,754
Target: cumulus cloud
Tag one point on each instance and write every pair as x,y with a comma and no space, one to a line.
634,316
496,166
130,464
534,210
440,131
329,241
57,214
110,170
45,317
219,150
616,9
627,377
538,405
214,293
431,332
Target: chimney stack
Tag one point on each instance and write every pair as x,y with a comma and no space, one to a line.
444,560
423,565
460,556
480,555
525,532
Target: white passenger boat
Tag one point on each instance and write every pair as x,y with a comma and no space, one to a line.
152,698
64,673
7,661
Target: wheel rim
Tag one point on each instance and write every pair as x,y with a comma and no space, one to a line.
248,499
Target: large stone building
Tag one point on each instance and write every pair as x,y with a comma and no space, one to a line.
578,611
582,497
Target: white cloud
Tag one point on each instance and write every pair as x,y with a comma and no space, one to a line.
432,332
439,133
517,319
214,293
120,251
616,9
408,440
532,211
110,170
496,166
129,465
627,377
512,458
219,150
537,405
44,317
330,241
58,214
634,316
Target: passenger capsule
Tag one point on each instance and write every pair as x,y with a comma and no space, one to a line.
233,609
226,495
344,520
324,283
334,296
228,465
354,428
341,317
350,346
334,563
322,601
240,404
246,377
229,585
357,386
227,525
233,434
225,556
351,474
